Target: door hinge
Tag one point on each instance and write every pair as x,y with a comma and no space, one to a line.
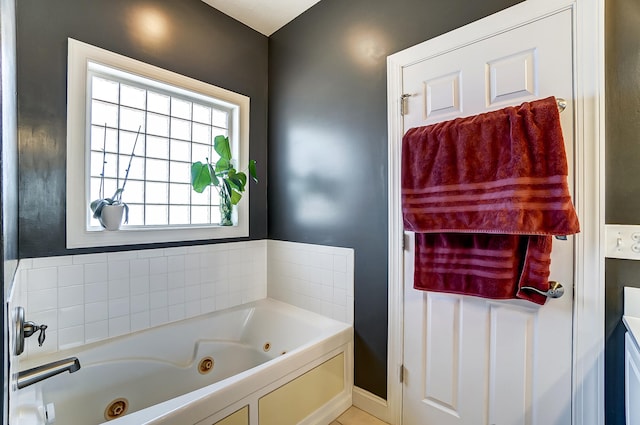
405,241
404,106
401,373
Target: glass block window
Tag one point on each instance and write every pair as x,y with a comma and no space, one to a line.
169,132
112,100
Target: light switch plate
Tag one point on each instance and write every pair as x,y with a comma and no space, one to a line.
622,241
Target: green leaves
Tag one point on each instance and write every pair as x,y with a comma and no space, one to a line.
252,170
200,176
235,197
222,174
222,148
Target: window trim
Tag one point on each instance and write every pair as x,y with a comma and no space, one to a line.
80,55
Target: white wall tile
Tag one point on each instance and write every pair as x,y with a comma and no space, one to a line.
235,298
140,321
192,262
40,279
118,307
158,299
70,316
95,312
222,302
221,287
339,297
192,276
118,270
159,316
340,263
139,267
176,312
94,292
175,263
175,297
71,295
159,282
139,303
118,288
95,272
207,290
158,265
96,331
139,285
119,326
43,300
70,337
192,308
207,305
70,275
175,280
192,293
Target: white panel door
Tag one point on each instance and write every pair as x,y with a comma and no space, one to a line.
472,361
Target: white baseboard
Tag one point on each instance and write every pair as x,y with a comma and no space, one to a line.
330,411
372,404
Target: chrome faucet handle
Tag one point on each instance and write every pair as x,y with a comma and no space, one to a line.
23,329
30,328
42,335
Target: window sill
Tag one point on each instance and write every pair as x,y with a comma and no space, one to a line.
138,236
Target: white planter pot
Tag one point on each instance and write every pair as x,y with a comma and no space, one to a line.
111,216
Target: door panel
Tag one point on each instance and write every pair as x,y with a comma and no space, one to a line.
472,361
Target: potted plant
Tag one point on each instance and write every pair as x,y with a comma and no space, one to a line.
109,211
222,175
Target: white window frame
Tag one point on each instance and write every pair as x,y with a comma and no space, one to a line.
81,57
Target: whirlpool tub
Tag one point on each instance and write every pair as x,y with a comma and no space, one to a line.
265,363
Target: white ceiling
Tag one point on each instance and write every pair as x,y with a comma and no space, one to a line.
265,16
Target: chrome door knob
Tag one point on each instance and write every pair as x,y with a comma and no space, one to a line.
555,290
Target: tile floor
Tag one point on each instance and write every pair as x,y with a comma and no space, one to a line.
355,416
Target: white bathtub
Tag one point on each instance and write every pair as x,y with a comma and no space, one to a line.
256,348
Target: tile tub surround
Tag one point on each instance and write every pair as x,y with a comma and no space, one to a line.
91,297
314,277
87,298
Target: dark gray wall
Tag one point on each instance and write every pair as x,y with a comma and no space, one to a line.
8,176
202,43
328,139
622,59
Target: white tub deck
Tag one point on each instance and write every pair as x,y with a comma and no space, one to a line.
156,370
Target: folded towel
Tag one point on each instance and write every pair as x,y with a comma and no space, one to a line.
483,265
499,172
484,195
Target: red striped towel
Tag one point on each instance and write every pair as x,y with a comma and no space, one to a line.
485,194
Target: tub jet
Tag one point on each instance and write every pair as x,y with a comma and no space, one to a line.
116,409
206,365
